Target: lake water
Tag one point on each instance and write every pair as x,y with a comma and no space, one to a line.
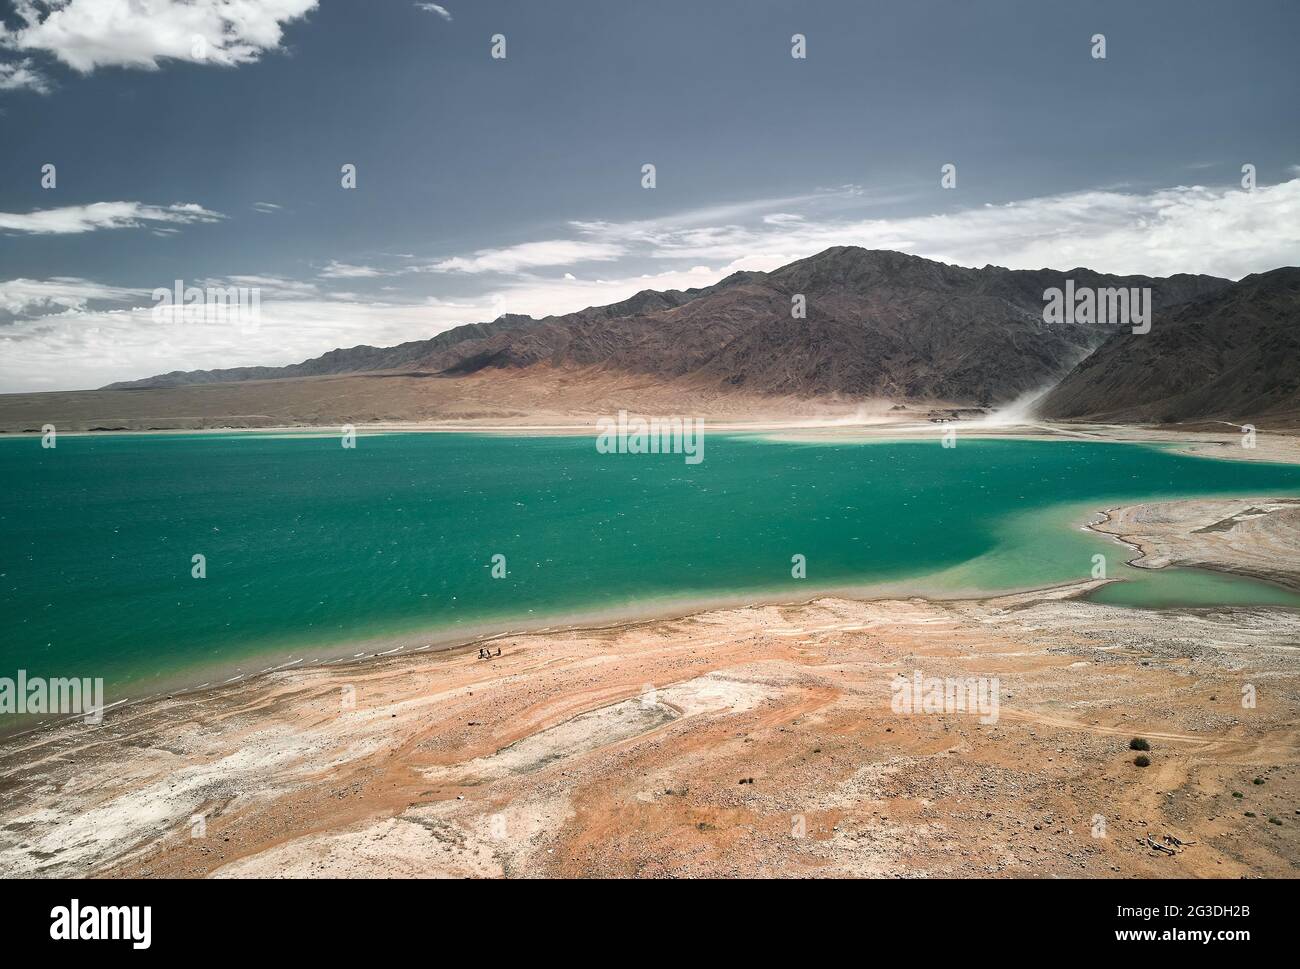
310,546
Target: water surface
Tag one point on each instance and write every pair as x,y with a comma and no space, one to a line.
309,545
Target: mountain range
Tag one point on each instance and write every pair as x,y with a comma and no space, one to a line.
882,324
1233,354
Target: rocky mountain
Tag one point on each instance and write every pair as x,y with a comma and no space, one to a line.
362,359
877,324
1231,355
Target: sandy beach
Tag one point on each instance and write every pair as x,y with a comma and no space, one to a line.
1251,537
755,740
573,404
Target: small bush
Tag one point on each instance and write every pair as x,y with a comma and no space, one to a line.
1138,743
1142,760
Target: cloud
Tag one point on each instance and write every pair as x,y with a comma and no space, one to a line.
72,219
20,297
441,11
22,76
88,34
266,207
343,270
542,296
90,349
531,255
1187,228
271,287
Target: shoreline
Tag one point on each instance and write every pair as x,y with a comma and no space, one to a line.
556,742
617,618
1273,446
360,652
1223,535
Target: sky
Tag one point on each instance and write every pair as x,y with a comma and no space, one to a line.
204,142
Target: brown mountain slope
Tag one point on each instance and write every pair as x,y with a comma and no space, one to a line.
1232,355
878,324
361,359
404,356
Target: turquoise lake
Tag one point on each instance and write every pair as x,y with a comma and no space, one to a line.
310,546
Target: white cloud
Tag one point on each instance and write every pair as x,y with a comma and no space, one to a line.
441,11
343,270
272,287
88,34
71,219
28,296
1194,229
646,230
540,296
89,349
531,255
22,76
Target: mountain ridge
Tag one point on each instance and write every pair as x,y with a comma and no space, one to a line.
1231,354
878,323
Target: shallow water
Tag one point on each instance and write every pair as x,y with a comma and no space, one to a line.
309,544
1169,588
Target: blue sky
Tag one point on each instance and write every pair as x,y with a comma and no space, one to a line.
490,185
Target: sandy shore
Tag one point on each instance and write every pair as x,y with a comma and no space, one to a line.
773,419
1255,537
748,741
